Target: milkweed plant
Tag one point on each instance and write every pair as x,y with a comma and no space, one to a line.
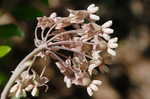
77,33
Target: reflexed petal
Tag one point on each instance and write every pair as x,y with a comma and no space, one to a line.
58,65
108,30
53,15
24,94
14,88
18,93
91,67
35,92
94,17
107,24
113,40
115,45
94,87
111,52
92,8
97,82
67,81
106,36
89,91
29,87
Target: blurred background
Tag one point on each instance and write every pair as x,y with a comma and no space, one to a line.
129,71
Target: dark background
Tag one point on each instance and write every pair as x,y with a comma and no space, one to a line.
129,71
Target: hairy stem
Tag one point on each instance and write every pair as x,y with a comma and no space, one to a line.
70,42
19,69
49,32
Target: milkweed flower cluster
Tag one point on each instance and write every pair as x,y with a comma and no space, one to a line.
28,83
78,33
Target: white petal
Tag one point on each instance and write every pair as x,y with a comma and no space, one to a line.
29,87
71,15
24,94
97,82
94,17
18,93
107,24
106,36
89,91
94,87
58,65
95,54
91,67
111,52
35,92
114,40
92,8
108,30
67,81
14,88
114,45
53,15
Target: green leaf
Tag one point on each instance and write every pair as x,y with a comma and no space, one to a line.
10,30
4,50
46,2
3,78
26,12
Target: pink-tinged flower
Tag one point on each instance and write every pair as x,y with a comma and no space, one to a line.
77,16
93,86
45,22
112,43
62,23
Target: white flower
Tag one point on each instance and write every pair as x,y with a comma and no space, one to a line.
107,24
93,86
112,43
106,29
67,81
95,62
92,8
